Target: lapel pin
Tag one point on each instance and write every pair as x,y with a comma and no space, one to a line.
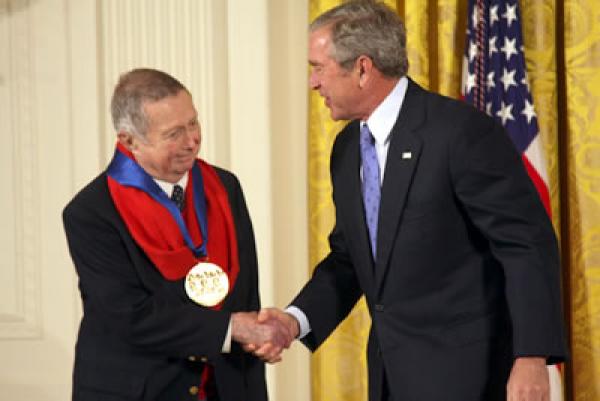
406,155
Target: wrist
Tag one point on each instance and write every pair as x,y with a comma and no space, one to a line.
294,325
537,360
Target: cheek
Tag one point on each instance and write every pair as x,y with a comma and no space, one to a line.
163,157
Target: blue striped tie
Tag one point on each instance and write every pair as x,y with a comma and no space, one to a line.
371,187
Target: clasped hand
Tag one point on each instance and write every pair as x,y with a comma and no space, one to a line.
266,333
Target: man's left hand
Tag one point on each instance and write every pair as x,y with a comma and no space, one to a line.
528,380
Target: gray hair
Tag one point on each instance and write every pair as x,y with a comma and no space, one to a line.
134,89
370,28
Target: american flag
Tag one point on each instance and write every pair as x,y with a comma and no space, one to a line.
495,81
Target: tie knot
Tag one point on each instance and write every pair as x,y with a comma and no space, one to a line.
177,196
365,135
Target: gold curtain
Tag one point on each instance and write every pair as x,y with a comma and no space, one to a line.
581,176
562,49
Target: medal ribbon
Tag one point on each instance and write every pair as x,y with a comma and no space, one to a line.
128,173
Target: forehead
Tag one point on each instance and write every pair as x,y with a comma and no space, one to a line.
319,45
170,110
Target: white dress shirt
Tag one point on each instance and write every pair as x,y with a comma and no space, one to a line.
380,123
168,186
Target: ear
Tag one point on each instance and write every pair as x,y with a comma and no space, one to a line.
365,70
126,139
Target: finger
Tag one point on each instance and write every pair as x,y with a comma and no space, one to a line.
275,360
263,350
509,396
249,347
266,314
269,353
274,354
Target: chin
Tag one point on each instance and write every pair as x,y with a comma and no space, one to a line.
186,167
337,117
337,114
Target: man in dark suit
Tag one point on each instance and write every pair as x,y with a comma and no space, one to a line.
437,224
164,249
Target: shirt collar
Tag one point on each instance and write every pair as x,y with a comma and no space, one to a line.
168,186
384,117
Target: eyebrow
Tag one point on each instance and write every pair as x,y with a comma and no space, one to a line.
171,129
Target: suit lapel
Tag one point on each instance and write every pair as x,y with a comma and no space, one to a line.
402,159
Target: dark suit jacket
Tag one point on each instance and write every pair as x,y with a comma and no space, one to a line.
140,333
466,276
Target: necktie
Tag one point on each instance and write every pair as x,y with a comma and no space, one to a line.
371,184
177,196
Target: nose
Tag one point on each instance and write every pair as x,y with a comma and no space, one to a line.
192,136
313,81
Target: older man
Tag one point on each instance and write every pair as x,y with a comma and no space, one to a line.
164,249
437,224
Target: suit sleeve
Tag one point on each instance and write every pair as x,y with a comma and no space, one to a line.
117,302
491,183
245,237
333,289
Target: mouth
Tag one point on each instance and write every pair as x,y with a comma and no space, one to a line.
186,158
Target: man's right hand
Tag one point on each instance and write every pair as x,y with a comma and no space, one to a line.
277,318
288,321
266,338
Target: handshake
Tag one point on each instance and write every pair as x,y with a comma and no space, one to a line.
266,333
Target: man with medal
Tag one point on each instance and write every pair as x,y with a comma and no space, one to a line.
164,249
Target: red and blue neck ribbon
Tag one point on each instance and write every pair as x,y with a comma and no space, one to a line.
127,172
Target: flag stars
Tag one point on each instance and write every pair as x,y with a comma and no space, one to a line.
508,79
510,14
475,17
494,15
505,113
492,46
490,80
488,108
509,47
528,111
470,84
472,51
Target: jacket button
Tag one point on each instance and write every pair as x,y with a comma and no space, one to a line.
379,307
192,358
204,359
194,390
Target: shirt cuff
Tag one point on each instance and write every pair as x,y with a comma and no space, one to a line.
226,349
301,318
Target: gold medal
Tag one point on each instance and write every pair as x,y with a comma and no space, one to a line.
206,284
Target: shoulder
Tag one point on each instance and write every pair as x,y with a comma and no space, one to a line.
91,197
228,179
446,109
448,117
231,184
92,206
